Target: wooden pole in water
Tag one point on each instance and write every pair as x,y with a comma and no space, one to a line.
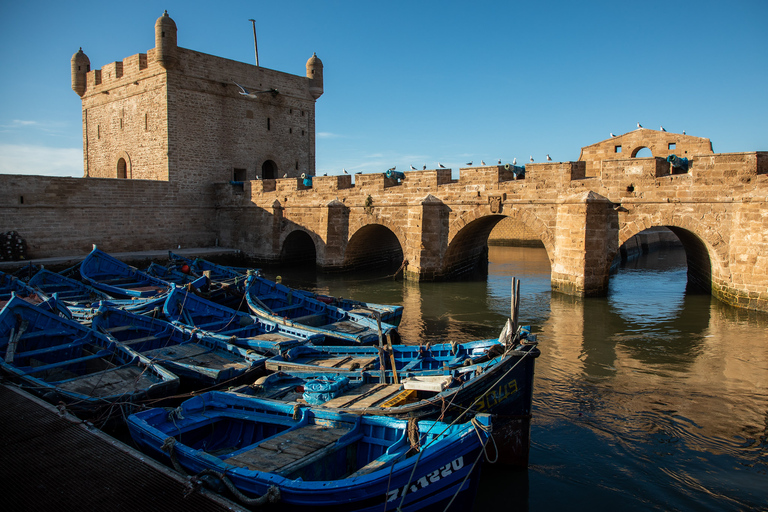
515,306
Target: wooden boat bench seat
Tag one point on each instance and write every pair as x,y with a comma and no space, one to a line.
311,320
99,355
392,455
139,340
362,397
344,362
286,308
290,451
112,381
47,350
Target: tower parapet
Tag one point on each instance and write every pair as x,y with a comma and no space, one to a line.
165,41
81,65
315,75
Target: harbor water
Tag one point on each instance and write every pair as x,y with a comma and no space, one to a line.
651,398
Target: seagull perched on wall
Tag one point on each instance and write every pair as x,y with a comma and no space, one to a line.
531,158
392,168
345,171
499,161
359,172
482,162
549,159
612,135
440,165
285,175
514,161
424,168
639,125
469,163
245,92
413,168
325,174
683,132
662,128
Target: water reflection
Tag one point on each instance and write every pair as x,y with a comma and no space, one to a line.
649,398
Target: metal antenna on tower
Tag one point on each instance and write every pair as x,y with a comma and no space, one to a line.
255,46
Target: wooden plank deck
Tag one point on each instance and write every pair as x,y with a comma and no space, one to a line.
364,396
288,452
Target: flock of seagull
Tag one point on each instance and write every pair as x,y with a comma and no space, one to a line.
469,164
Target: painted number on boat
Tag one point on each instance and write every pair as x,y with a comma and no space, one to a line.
424,481
497,396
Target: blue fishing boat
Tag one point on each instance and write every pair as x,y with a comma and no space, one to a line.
389,314
441,381
121,280
64,361
13,286
282,305
170,275
199,266
310,459
198,359
194,313
80,299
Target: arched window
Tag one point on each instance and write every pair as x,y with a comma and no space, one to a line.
269,170
122,169
642,152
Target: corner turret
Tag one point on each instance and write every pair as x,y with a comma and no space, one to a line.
165,41
315,75
81,65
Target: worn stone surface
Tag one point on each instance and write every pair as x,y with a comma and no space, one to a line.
185,135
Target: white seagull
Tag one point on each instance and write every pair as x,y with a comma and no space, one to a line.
499,161
248,94
469,163
531,158
285,175
345,171
440,165
413,168
514,161
392,169
549,159
662,128
612,135
482,162
424,168
639,125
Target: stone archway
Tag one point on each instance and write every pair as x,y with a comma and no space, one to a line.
373,246
298,247
642,152
123,166
269,170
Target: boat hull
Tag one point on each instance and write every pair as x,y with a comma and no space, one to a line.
368,466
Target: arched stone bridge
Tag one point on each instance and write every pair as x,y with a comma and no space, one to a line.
440,226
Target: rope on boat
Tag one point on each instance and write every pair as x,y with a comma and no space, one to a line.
272,495
413,434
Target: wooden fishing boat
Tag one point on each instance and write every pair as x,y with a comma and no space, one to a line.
389,314
311,459
170,275
280,304
64,361
121,280
199,266
198,359
13,286
442,381
80,298
194,313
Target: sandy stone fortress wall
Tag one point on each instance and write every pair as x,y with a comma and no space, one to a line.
175,155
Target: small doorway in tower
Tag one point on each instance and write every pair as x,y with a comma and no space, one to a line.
269,170
122,169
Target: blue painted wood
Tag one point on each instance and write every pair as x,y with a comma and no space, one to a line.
198,359
120,280
319,460
64,361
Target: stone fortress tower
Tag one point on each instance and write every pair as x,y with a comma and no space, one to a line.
178,115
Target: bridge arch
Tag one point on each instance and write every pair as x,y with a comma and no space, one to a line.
373,245
298,246
705,250
469,236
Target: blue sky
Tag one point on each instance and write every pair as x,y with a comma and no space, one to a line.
417,82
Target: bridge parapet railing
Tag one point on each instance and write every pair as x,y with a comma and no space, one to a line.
612,171
727,166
